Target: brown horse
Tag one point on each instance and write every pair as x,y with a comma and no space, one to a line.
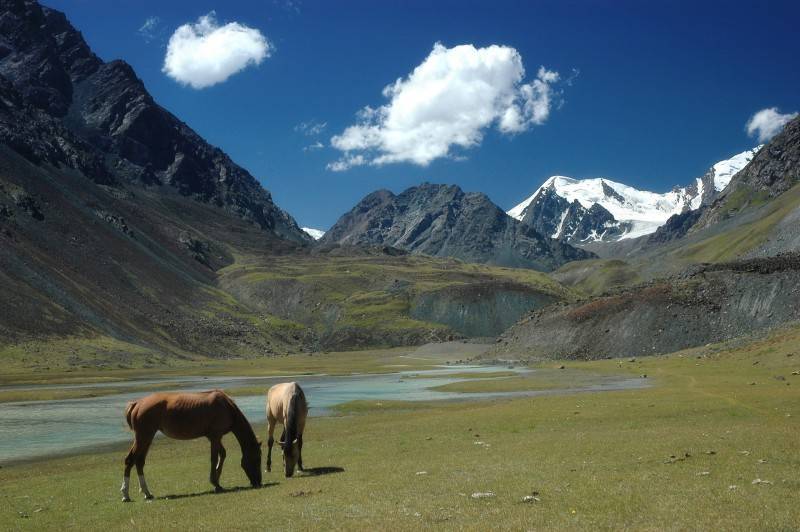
186,416
286,403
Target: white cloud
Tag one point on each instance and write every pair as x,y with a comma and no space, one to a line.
767,123
310,129
448,101
346,162
150,29
313,147
205,53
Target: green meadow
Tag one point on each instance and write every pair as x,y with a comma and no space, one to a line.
712,444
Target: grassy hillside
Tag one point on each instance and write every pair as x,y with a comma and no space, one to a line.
262,305
594,277
742,239
374,299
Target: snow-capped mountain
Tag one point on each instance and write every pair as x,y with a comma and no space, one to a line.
316,234
589,210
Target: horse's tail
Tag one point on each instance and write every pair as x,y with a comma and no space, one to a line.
128,413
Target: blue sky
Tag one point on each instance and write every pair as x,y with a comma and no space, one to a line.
664,89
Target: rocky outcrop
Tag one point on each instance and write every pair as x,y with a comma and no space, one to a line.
444,221
677,226
111,128
43,139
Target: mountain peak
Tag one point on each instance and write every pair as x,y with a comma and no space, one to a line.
443,220
627,212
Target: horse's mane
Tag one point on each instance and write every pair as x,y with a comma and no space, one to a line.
291,414
241,425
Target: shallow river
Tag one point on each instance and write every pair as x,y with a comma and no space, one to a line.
33,429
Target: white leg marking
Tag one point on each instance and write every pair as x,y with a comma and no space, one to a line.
124,489
143,488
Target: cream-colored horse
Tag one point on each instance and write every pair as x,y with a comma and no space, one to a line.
286,404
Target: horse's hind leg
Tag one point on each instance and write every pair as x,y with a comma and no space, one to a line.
130,459
136,457
143,445
217,459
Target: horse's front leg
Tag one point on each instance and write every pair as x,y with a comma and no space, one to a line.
270,440
217,459
222,455
300,452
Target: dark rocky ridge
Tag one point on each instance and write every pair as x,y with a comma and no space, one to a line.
774,170
444,221
107,106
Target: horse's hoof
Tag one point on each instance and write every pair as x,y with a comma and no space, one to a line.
126,499
148,496
218,489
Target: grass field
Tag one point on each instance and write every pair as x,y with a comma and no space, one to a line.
712,445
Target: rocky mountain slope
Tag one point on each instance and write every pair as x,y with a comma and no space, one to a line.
581,211
127,137
444,221
114,215
708,304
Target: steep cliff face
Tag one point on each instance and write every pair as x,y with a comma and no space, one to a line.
443,220
106,105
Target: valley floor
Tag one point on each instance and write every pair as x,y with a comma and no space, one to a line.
712,445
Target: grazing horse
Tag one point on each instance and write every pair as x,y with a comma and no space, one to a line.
286,404
186,416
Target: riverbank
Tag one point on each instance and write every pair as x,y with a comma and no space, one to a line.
713,445
328,362
42,429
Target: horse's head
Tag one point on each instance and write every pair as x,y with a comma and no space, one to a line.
291,453
251,464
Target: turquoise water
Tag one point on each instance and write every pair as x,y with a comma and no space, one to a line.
34,429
